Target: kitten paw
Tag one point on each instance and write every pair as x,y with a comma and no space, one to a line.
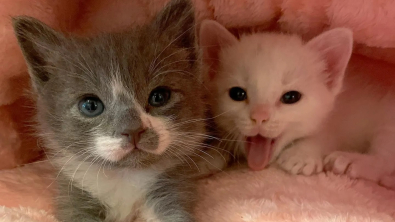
297,160
356,165
211,166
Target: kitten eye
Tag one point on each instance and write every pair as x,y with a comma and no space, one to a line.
91,106
159,97
291,97
238,94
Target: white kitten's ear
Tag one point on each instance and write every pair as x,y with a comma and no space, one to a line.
335,47
212,38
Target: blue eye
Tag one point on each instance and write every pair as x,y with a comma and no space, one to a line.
91,106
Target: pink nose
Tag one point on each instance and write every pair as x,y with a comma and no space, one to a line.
260,114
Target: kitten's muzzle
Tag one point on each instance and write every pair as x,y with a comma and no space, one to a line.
260,114
133,136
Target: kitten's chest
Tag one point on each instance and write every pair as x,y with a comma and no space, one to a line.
122,191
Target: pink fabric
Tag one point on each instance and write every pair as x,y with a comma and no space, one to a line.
236,196
17,144
25,215
28,186
269,195
272,195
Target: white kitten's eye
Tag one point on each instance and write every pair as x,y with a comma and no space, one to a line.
291,97
238,94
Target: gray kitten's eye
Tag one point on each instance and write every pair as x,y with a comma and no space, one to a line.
291,97
91,106
238,94
159,97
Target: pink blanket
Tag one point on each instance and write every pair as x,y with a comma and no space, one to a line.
236,196
269,195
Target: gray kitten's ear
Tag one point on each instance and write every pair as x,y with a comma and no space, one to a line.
37,42
213,37
177,20
335,47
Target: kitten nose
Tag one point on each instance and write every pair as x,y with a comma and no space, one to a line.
133,136
260,114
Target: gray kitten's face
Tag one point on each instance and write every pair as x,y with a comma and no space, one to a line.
125,98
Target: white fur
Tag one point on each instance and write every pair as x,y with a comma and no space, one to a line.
149,215
110,148
118,88
358,119
121,190
267,66
363,121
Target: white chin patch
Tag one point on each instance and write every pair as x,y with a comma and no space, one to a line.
110,148
159,126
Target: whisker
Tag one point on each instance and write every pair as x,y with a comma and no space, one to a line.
172,42
92,162
75,171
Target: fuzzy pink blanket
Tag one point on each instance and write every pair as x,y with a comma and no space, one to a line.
269,195
237,196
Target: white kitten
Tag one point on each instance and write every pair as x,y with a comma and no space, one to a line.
284,96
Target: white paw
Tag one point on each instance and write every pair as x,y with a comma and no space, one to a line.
211,165
297,160
356,165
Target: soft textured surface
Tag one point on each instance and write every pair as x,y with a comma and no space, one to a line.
272,195
29,186
236,196
269,195
25,215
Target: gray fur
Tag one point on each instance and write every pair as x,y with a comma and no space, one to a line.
65,68
169,198
74,204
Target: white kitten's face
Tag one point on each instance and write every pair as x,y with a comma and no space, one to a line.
267,67
272,89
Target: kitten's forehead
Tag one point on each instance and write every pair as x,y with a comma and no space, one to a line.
266,65
123,65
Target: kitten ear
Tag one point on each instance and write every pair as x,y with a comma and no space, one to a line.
335,47
213,37
37,42
177,20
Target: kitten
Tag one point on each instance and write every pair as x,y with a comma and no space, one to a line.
296,103
120,113
275,92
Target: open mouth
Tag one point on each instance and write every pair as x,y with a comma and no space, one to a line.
259,151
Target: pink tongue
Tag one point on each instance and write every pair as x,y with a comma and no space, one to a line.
258,151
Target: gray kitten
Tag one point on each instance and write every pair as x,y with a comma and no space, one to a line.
121,114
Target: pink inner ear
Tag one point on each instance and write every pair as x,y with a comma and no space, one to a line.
214,37
335,46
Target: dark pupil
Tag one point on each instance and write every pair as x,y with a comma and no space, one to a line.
291,97
158,98
90,105
237,94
